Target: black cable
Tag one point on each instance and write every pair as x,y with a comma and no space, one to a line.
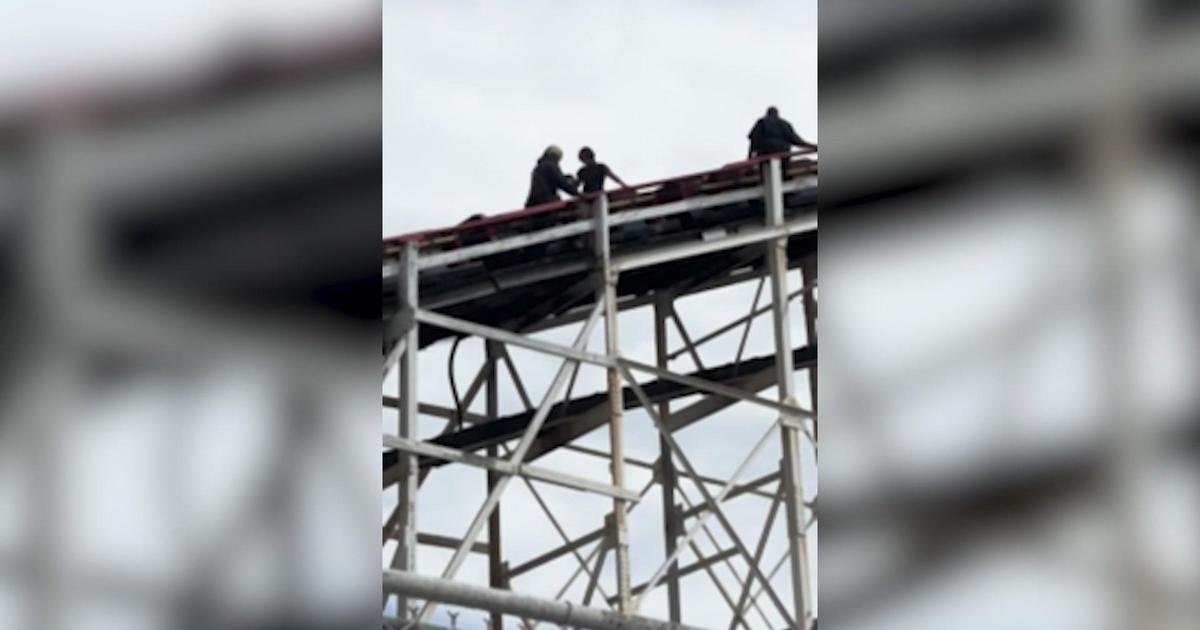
457,420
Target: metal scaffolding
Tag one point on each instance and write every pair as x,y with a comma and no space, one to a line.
603,257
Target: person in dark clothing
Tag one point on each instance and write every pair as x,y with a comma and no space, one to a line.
592,174
772,134
547,179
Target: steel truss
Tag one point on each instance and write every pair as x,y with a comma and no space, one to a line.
694,504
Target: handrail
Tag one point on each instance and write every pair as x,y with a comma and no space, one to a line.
546,208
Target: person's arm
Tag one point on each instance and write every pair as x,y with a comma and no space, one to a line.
794,137
564,183
804,144
609,173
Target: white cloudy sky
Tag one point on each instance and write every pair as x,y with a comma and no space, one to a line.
475,90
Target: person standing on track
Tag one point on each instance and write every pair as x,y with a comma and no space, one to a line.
593,174
772,134
547,179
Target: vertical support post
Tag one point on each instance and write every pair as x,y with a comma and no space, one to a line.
406,551
1114,157
808,272
792,473
57,260
666,471
496,573
606,293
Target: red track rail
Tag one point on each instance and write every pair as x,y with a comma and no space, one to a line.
683,186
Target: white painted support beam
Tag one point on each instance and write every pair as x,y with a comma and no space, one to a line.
565,614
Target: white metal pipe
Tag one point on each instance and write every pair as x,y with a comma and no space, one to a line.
606,295
793,476
405,557
565,614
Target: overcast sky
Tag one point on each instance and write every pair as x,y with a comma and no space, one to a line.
474,91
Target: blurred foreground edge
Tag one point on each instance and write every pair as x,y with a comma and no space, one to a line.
1011,293
189,271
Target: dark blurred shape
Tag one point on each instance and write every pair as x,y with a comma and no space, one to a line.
1010,295
189,268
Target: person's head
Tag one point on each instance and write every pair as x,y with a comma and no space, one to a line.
773,112
587,156
553,152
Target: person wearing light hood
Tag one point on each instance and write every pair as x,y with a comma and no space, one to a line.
547,179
